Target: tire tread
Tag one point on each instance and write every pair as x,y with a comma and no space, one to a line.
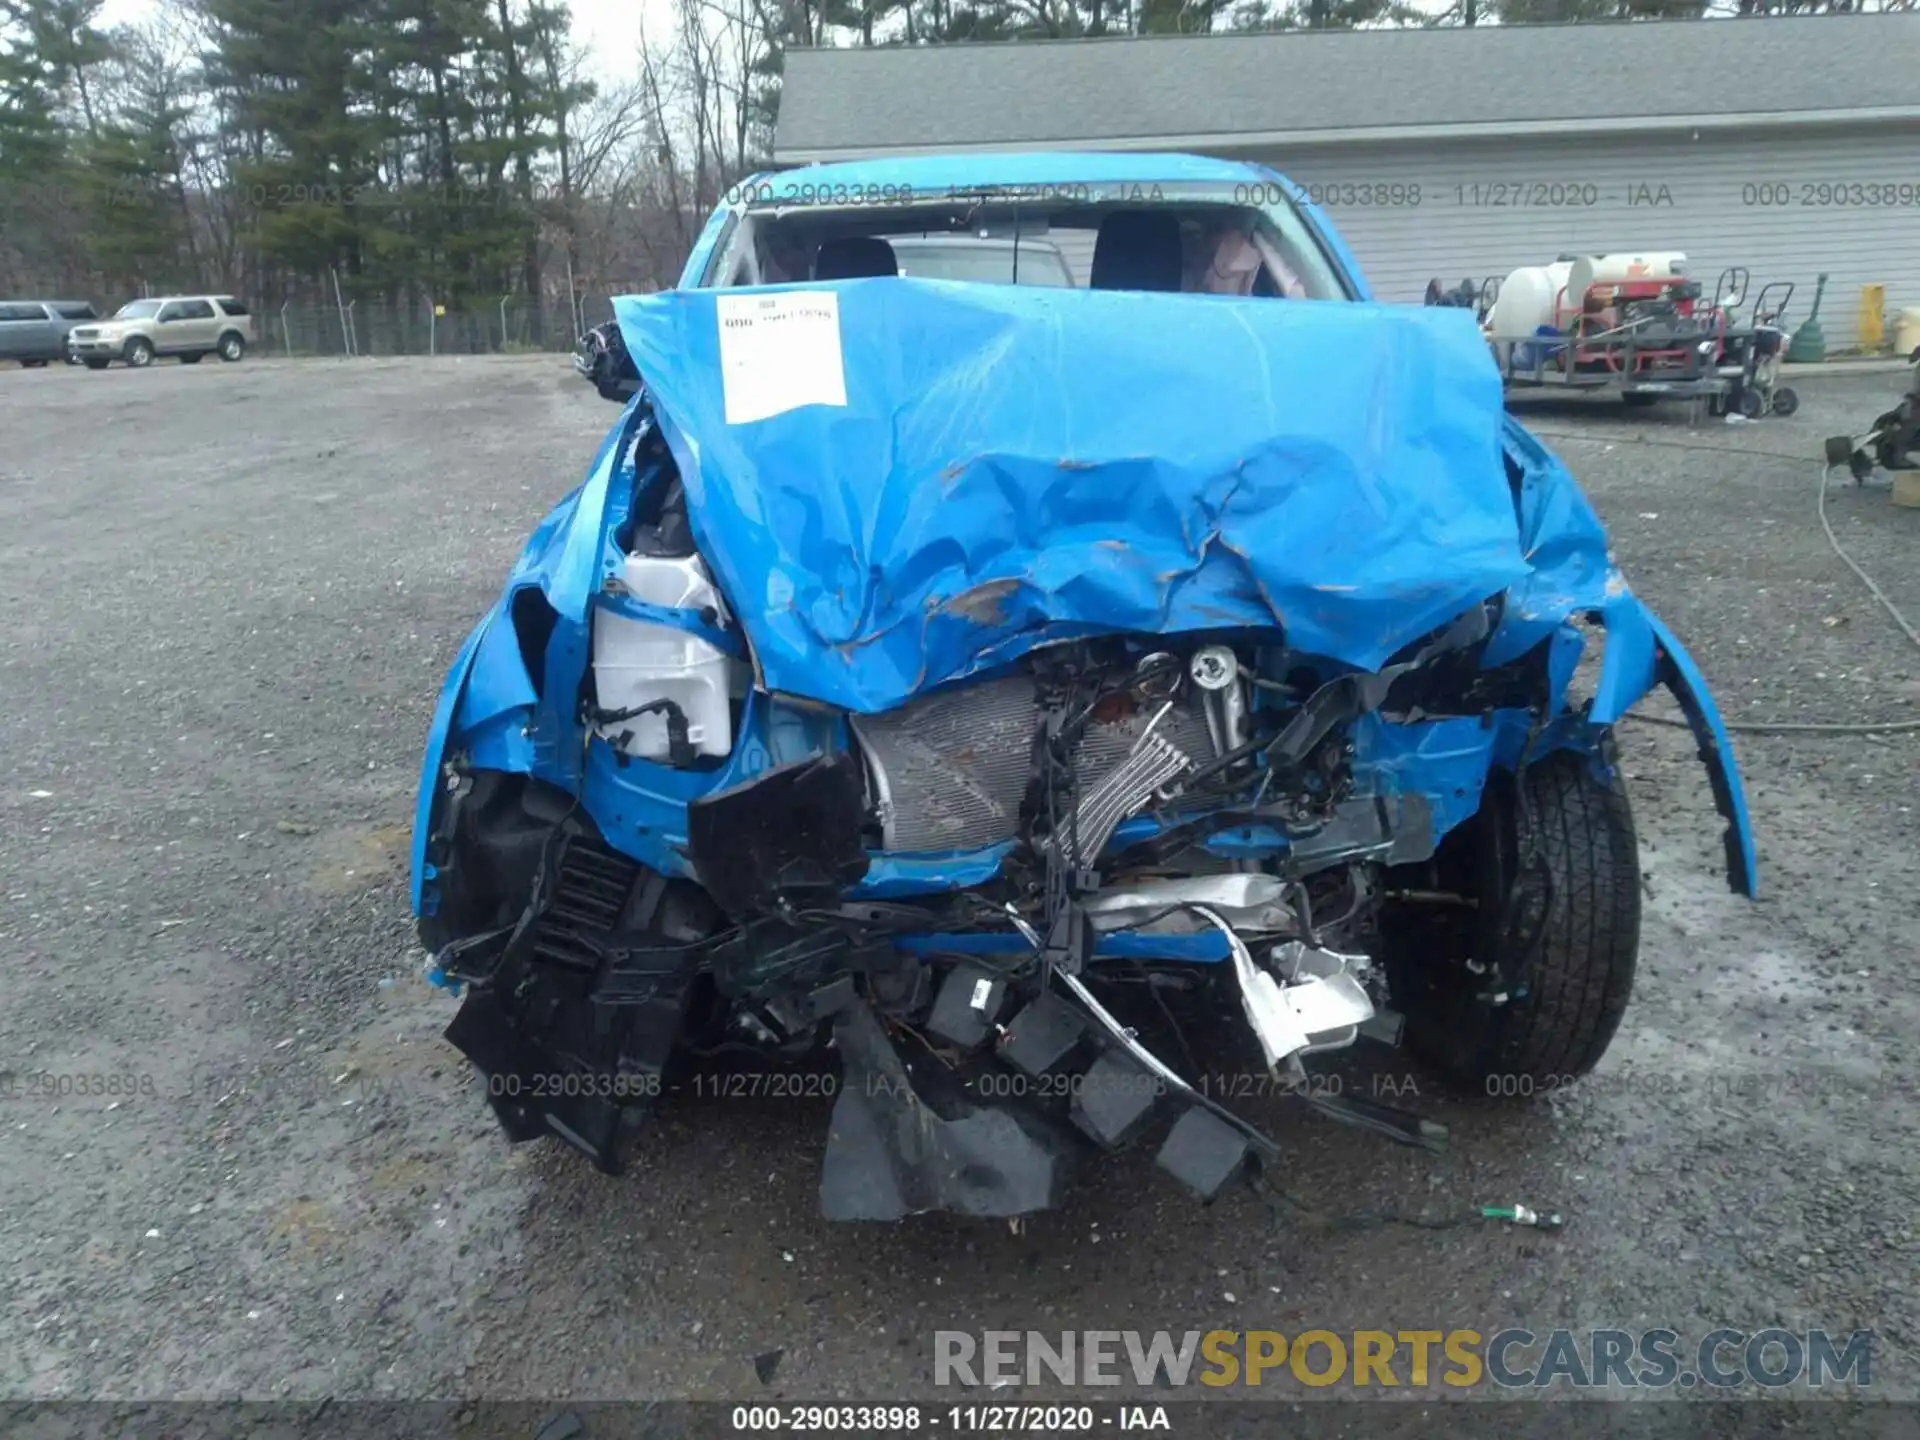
1581,978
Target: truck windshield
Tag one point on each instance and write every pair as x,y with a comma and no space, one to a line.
138,310
1247,239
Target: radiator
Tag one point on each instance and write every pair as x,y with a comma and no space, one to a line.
948,771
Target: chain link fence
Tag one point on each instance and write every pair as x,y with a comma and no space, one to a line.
375,327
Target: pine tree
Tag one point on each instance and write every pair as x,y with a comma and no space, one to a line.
35,174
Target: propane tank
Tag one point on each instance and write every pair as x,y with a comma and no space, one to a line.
1526,300
1622,269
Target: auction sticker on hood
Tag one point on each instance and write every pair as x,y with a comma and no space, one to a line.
779,352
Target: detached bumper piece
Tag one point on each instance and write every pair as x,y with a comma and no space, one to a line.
905,1139
999,1137
573,1025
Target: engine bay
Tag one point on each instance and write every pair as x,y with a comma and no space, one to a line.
1144,823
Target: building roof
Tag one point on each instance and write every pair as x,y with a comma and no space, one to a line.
1222,92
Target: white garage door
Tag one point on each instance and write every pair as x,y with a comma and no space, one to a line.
1787,206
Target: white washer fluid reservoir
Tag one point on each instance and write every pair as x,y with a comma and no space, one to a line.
636,662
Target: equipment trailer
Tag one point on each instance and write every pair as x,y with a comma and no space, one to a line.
1639,333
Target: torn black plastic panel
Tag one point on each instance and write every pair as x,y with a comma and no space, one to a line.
573,1026
791,834
905,1140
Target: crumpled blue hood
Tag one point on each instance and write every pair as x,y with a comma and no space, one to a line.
899,482
998,468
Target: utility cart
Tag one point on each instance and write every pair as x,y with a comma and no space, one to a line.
1751,359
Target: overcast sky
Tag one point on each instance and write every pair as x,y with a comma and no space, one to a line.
609,29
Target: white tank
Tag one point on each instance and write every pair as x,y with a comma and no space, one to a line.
1525,302
1590,270
636,662
1906,332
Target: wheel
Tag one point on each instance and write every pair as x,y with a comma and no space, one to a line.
1752,404
232,347
33,364
95,364
139,352
1716,405
192,357
1553,865
1785,402
72,358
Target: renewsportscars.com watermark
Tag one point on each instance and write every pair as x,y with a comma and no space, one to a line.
1507,1359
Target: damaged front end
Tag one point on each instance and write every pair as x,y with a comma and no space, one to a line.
1010,761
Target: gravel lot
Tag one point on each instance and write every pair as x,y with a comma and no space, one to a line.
229,596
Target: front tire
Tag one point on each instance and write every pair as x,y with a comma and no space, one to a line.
1785,401
33,364
139,353
1555,869
231,347
96,364
192,357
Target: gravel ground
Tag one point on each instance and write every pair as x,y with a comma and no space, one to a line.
229,596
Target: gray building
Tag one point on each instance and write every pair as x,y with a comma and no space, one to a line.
1789,145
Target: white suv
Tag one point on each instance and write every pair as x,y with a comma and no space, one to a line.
190,326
